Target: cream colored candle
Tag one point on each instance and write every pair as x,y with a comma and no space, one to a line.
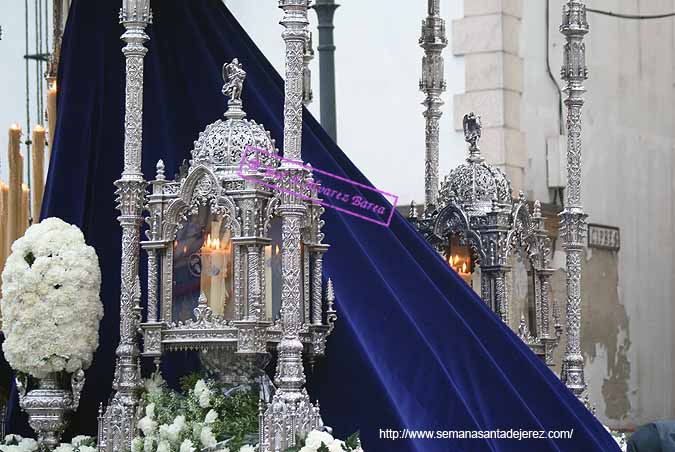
51,115
38,158
4,245
25,215
15,180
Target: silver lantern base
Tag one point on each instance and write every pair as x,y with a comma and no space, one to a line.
49,405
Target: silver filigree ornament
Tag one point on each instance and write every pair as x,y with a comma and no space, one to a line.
117,425
476,205
432,83
237,348
49,404
223,144
573,219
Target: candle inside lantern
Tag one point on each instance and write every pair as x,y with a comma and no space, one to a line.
215,278
15,160
38,156
462,267
4,205
51,113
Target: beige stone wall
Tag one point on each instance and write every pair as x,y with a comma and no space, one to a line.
488,37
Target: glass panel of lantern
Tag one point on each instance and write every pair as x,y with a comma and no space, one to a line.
458,256
520,290
203,263
273,272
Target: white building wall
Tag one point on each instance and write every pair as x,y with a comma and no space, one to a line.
628,182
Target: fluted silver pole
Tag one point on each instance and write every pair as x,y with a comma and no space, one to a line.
573,220
291,414
135,15
432,83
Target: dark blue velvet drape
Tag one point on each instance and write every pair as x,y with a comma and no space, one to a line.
414,346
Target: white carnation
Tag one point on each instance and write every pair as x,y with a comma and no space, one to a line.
171,432
247,448
179,423
51,305
150,410
147,425
163,446
336,446
186,446
13,439
64,448
211,417
206,437
200,386
315,438
87,449
154,384
205,398
80,439
28,445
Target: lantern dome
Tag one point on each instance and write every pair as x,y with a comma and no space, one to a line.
223,143
475,185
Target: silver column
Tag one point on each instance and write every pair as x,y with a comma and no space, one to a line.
291,414
573,220
135,16
432,83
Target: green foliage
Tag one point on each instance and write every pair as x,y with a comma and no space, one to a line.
352,442
237,419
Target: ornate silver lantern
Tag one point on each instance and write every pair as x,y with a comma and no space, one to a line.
476,210
214,246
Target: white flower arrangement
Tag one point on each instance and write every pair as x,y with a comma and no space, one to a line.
51,306
182,423
80,443
16,443
318,441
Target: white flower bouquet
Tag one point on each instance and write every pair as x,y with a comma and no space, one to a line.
317,441
16,443
51,306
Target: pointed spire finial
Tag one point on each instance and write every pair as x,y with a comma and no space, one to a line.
412,213
523,331
330,293
160,170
